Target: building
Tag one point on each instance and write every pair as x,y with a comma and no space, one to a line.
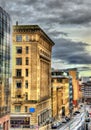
84,82
75,82
86,90
31,75
62,94
4,69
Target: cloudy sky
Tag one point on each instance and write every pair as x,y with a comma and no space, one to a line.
66,22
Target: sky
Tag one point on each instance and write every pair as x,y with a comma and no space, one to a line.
66,22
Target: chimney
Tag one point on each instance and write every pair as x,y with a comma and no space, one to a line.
16,23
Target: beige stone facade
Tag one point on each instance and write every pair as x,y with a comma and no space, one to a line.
31,75
73,72
60,96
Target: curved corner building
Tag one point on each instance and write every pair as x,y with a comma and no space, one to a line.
4,69
31,75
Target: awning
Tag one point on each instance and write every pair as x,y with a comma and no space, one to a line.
20,115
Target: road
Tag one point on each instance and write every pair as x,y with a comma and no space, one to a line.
78,122
75,123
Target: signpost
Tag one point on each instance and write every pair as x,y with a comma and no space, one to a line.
32,110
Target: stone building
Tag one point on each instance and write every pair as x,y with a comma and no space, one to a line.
75,82
4,69
60,94
31,88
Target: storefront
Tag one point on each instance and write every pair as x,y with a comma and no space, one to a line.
20,121
44,117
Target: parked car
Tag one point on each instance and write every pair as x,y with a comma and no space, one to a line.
56,124
81,105
76,112
67,118
87,120
64,120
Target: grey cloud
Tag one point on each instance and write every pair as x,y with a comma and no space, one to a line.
71,52
56,34
51,11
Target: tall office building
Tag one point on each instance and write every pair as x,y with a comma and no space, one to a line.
4,69
31,88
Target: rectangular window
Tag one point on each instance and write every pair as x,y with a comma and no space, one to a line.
18,38
18,50
17,108
18,61
26,108
26,96
59,80
26,72
26,84
18,96
27,38
18,72
18,84
27,61
27,50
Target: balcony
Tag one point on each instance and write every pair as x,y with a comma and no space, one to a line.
17,100
18,77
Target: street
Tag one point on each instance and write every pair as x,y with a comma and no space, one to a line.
76,123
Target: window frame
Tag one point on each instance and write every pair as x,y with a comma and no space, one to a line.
18,74
18,38
19,50
18,61
17,108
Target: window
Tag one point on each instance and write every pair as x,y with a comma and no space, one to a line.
26,96
59,80
18,50
26,108
27,38
18,72
18,96
52,80
27,50
26,84
27,61
26,72
18,61
18,84
17,108
18,38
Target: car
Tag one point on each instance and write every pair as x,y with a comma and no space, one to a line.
67,118
74,113
64,120
77,112
87,120
56,124
81,105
